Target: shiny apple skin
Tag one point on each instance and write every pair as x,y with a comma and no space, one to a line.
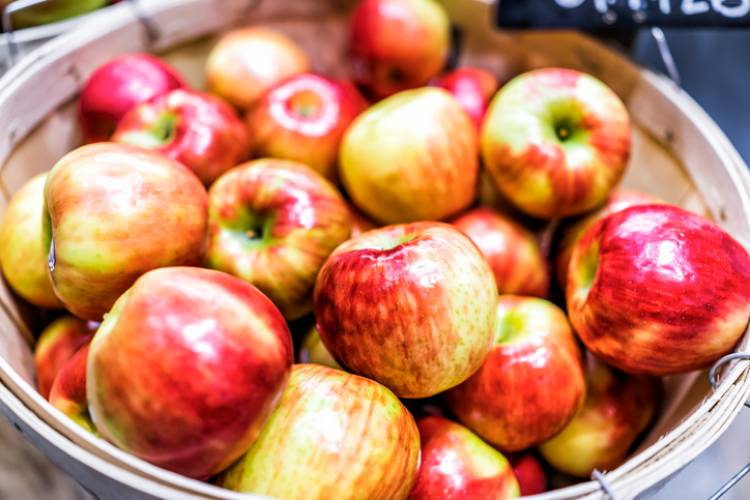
398,44
22,256
333,435
532,382
511,250
314,351
658,290
68,392
246,62
542,174
202,132
411,157
185,369
303,119
114,212
411,306
457,464
473,88
118,86
620,199
56,345
618,408
532,480
273,223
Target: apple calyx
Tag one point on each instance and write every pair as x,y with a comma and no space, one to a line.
159,134
252,230
306,103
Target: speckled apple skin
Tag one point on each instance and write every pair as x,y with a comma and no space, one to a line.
412,306
333,435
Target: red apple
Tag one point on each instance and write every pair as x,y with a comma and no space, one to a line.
530,474
618,408
398,44
512,251
473,88
531,384
118,86
186,367
657,290
246,62
411,157
273,223
114,212
22,256
411,306
303,119
457,464
69,390
333,435
56,345
199,130
313,351
556,141
620,199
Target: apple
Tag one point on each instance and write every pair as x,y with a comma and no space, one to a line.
411,306
473,88
51,11
411,157
303,119
313,351
114,212
273,223
22,258
56,345
658,290
398,44
556,141
118,86
186,367
620,199
246,62
333,435
512,251
68,392
532,382
457,464
532,479
618,408
199,130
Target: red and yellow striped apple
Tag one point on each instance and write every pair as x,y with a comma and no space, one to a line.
273,223
56,345
556,141
118,86
398,44
22,255
199,130
186,367
412,306
473,88
246,62
68,392
532,479
620,199
658,290
456,463
114,212
303,119
512,251
532,382
618,408
333,435
411,157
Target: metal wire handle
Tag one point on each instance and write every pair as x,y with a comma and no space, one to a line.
601,478
7,24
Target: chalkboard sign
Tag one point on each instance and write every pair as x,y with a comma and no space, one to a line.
601,14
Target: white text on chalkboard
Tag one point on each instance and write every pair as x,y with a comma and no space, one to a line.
727,8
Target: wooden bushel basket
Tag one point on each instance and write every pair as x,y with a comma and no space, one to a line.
679,155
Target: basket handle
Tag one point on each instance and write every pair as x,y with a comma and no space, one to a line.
7,24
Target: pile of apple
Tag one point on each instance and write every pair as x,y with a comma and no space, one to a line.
434,359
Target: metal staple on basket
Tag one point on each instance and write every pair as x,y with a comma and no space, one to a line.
601,478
